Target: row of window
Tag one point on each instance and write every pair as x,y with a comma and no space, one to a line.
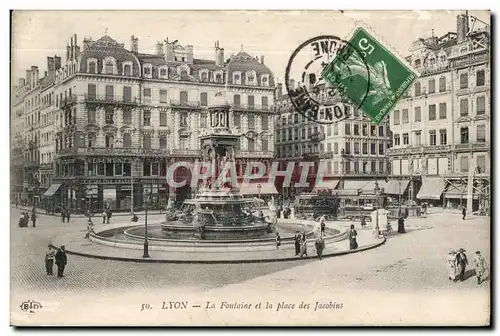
464,83
357,130
365,149
443,137
126,142
480,164
47,158
433,113
110,118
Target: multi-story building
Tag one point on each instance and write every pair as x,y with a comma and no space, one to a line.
441,128
47,122
354,150
122,118
17,143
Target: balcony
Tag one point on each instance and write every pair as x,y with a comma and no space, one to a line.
255,154
31,164
185,153
479,146
68,101
185,104
432,70
252,108
326,155
317,137
46,166
124,151
111,99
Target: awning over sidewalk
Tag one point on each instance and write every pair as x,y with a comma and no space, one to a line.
458,190
52,190
364,185
432,188
396,187
326,185
253,189
109,194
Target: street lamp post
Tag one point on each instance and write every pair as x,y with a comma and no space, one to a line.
258,189
146,243
377,192
400,197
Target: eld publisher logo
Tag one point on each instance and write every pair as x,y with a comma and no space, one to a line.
30,306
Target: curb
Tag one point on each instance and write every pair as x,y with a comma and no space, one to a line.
236,261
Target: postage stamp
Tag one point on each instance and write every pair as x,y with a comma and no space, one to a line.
365,62
313,97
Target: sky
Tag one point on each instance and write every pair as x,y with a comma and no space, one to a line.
274,34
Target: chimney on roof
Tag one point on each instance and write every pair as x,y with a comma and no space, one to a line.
462,27
77,48
34,78
67,52
71,49
21,82
28,77
279,90
134,44
57,62
159,49
86,42
51,65
219,55
262,59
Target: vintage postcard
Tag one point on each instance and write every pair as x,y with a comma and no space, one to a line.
250,168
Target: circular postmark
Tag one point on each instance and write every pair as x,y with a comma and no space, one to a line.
311,95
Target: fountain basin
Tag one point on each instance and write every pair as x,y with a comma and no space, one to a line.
216,232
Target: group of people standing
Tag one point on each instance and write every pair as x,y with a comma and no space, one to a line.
25,218
57,255
457,264
300,243
106,216
65,215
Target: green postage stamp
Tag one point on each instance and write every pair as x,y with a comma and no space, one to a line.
369,75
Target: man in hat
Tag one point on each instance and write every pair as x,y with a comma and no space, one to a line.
461,262
452,268
320,246
480,267
464,212
61,261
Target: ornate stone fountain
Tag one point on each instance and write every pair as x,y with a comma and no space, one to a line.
219,211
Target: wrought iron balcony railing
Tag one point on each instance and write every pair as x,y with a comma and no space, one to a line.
111,99
185,103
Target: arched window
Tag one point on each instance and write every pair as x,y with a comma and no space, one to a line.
110,139
218,78
204,77
126,70
163,72
109,67
184,75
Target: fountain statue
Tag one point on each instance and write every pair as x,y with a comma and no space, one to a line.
272,218
170,210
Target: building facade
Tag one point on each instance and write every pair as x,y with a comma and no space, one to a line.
354,150
113,120
442,127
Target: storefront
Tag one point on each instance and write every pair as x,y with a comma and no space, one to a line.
432,190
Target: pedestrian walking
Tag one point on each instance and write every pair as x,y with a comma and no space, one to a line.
452,267
461,262
63,215
363,222
480,267
322,224
108,215
61,261
464,212
90,228
33,219
320,246
104,216
353,244
297,242
68,215
401,225
49,260
278,240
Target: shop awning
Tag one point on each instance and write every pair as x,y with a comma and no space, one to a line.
432,188
396,187
52,190
326,185
252,189
354,184
458,190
